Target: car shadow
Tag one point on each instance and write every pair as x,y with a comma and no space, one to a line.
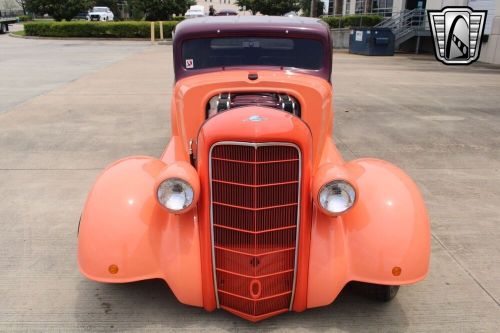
151,305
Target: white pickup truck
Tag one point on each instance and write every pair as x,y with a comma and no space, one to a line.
4,23
101,14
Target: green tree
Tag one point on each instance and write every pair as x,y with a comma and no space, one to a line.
22,4
158,10
305,5
59,9
248,4
270,7
111,4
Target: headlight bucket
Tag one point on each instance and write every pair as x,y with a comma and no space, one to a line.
334,189
175,194
336,197
178,188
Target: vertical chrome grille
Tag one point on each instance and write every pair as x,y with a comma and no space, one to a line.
255,191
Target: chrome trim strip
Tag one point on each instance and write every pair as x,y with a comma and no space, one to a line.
299,193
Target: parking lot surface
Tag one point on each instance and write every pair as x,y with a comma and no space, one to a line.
29,68
72,107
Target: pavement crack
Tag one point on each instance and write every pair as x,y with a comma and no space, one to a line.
436,238
348,148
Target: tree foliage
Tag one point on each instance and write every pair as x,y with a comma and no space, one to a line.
305,5
248,4
59,9
157,10
22,4
111,4
270,7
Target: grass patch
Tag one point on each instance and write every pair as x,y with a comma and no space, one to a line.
19,33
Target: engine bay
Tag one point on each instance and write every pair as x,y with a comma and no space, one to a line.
227,101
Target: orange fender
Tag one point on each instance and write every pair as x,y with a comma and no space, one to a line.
125,235
384,238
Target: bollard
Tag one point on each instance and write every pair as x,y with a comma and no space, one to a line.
161,30
152,32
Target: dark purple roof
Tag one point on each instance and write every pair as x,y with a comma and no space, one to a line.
250,25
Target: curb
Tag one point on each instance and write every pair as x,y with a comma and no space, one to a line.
164,42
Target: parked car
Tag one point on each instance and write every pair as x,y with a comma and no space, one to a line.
251,208
101,14
195,11
226,12
82,16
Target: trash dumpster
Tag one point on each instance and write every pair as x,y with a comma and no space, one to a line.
372,41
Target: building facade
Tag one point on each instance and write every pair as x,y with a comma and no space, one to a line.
7,6
490,49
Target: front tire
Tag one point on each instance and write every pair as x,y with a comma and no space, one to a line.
376,292
382,293
3,28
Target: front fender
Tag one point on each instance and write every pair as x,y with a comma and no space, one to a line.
388,228
384,238
123,225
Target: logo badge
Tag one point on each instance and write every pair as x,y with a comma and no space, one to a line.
256,118
457,33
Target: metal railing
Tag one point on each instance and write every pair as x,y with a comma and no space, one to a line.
405,24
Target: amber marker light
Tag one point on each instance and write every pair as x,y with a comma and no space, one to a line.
396,271
113,269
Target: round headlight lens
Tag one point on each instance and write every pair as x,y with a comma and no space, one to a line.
175,194
337,196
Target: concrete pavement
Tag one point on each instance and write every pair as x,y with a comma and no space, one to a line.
29,68
441,124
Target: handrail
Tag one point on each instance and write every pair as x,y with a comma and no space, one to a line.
413,17
405,24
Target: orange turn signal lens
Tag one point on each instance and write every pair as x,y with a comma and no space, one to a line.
113,269
396,271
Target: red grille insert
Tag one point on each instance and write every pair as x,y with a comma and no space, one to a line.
255,191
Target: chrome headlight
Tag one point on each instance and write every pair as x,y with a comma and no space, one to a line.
337,197
175,194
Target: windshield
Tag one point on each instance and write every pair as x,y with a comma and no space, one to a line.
100,9
252,51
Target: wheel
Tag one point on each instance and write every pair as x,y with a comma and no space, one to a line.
3,28
377,292
382,293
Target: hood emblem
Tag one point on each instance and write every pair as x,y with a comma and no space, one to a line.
256,118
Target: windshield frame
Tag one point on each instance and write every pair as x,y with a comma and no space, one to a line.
252,26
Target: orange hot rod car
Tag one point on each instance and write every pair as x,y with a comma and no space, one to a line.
251,208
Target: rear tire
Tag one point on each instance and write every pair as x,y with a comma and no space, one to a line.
3,28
